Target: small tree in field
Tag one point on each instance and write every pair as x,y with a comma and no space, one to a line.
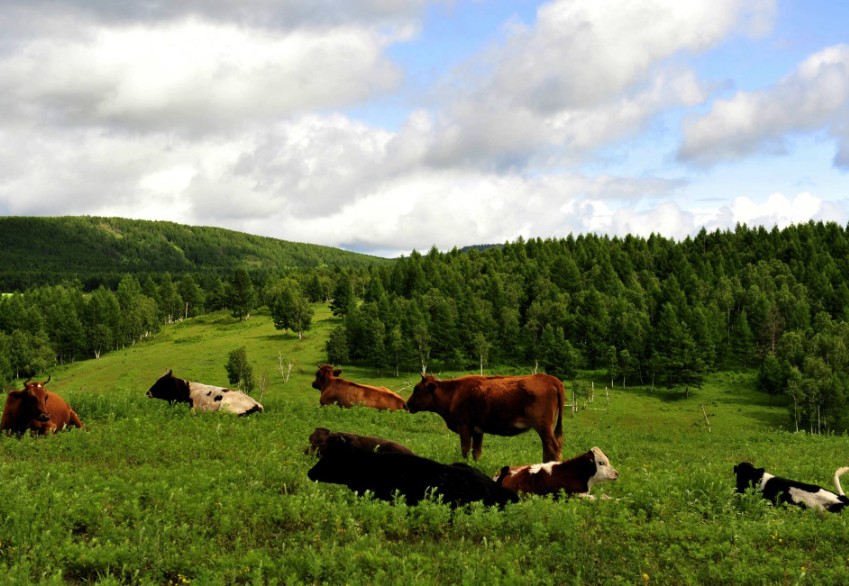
337,346
241,296
291,310
482,347
239,371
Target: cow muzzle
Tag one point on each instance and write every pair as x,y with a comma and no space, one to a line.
43,417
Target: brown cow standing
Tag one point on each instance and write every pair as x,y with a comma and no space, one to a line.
502,405
38,410
347,394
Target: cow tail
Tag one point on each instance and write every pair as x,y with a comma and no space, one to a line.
840,472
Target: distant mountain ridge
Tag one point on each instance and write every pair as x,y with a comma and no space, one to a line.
48,250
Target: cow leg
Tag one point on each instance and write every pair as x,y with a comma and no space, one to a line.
75,420
550,446
465,440
477,445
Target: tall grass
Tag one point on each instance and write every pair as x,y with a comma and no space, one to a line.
154,494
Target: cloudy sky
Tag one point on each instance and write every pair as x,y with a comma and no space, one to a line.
384,126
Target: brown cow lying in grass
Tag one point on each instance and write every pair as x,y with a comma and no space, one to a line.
322,438
37,410
346,393
576,476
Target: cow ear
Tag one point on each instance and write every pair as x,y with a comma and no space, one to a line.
337,372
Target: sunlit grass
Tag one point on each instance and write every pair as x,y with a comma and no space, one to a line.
155,494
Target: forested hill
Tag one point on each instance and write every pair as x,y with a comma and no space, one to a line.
47,250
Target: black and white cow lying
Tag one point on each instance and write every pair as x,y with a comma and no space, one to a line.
384,473
783,490
202,397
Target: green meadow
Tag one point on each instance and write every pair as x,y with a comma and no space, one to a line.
155,494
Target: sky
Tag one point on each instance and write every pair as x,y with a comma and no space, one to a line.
387,126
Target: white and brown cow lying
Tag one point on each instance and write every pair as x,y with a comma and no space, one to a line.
576,476
202,397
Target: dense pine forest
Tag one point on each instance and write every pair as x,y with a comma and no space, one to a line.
648,311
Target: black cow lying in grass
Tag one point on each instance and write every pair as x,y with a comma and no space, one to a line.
783,490
413,477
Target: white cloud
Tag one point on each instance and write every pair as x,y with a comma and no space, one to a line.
587,74
190,76
582,51
21,17
777,210
812,98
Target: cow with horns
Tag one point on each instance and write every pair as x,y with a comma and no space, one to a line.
37,410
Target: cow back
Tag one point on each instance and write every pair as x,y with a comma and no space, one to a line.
211,398
503,405
323,439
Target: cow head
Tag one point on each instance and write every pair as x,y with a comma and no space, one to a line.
33,401
318,440
422,397
169,388
604,471
339,464
324,375
747,475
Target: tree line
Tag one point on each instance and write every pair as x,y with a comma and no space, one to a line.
57,324
650,311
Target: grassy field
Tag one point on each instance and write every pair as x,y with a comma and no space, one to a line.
153,494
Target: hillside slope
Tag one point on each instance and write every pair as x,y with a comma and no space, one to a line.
38,250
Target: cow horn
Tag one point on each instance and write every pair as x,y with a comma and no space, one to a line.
26,381
49,376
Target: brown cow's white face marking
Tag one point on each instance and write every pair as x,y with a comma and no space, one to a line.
604,471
